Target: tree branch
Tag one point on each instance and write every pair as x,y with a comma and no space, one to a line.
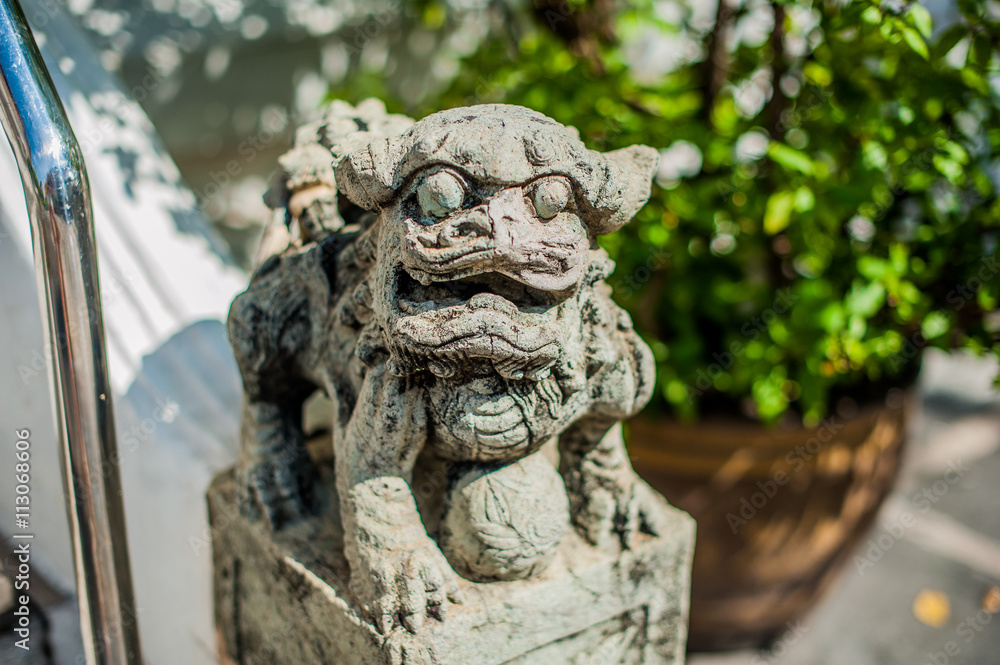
715,67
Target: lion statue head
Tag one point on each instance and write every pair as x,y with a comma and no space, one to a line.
466,248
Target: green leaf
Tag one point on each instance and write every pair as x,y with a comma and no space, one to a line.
949,168
872,267
817,73
951,37
435,15
790,158
986,301
909,292
778,212
871,15
934,325
916,42
857,328
832,317
972,79
983,49
805,200
873,154
767,394
865,301
922,19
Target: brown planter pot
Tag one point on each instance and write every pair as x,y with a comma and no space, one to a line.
778,511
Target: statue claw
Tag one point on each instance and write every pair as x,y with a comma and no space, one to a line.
640,512
617,512
407,587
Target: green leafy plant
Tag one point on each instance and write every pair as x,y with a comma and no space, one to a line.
826,206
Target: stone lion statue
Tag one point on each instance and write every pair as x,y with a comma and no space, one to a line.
445,289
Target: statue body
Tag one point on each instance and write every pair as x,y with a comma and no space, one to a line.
447,292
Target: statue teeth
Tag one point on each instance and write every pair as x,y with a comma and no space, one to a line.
540,374
493,301
441,370
411,307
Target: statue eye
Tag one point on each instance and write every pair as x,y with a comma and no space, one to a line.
551,196
441,194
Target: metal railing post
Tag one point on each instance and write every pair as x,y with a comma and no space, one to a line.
62,231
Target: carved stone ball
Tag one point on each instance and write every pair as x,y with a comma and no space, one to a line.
505,522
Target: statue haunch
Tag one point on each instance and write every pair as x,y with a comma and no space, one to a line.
446,291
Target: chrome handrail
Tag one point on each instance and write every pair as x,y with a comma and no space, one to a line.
62,231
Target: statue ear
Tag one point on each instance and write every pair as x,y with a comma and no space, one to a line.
366,175
625,188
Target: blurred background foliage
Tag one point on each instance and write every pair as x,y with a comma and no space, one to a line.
826,204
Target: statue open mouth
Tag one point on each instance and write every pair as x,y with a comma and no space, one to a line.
508,294
448,324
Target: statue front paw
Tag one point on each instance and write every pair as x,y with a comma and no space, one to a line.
616,510
279,487
404,587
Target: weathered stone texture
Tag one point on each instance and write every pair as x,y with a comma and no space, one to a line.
447,292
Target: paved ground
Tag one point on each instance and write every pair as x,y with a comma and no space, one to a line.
918,591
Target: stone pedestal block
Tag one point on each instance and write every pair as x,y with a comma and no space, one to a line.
282,599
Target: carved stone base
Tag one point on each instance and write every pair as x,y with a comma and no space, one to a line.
283,600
